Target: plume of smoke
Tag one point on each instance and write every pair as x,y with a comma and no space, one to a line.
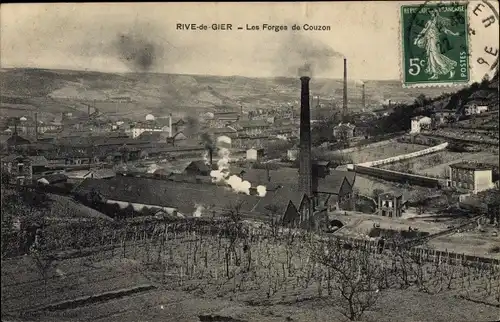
261,191
359,82
198,211
138,52
207,140
304,56
239,185
152,168
192,126
282,137
222,172
223,141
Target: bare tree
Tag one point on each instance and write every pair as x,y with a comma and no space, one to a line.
357,277
43,260
421,200
274,210
377,192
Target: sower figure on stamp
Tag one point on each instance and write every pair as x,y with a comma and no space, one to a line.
428,39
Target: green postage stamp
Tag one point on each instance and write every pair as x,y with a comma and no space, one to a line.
435,44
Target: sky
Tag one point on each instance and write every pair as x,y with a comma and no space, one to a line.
87,37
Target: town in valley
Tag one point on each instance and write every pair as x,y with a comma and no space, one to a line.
156,196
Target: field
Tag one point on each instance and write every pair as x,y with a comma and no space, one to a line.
436,164
256,276
365,185
381,152
470,242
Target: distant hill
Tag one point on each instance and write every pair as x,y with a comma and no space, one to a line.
136,94
484,93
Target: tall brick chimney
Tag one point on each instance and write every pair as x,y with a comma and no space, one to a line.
344,101
36,126
363,102
305,163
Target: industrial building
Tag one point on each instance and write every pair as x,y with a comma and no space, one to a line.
471,176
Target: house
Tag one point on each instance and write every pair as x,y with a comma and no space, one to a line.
223,131
255,154
177,138
271,119
292,154
75,176
222,119
166,195
197,168
291,208
252,127
333,188
442,116
153,137
390,204
23,167
474,109
344,131
247,141
471,176
51,179
178,126
149,126
419,123
15,140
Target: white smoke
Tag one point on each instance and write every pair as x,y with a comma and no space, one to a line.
261,191
282,137
225,140
239,185
222,174
198,211
152,168
359,82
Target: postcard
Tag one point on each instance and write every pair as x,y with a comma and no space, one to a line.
250,161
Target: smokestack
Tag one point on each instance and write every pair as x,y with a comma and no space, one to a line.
170,125
305,167
363,103
210,156
344,105
36,126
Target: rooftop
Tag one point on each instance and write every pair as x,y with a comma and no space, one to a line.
420,117
180,195
289,177
472,166
252,124
388,195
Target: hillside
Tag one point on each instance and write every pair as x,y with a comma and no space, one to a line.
136,94
484,93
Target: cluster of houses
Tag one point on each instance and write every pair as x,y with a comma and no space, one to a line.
444,116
